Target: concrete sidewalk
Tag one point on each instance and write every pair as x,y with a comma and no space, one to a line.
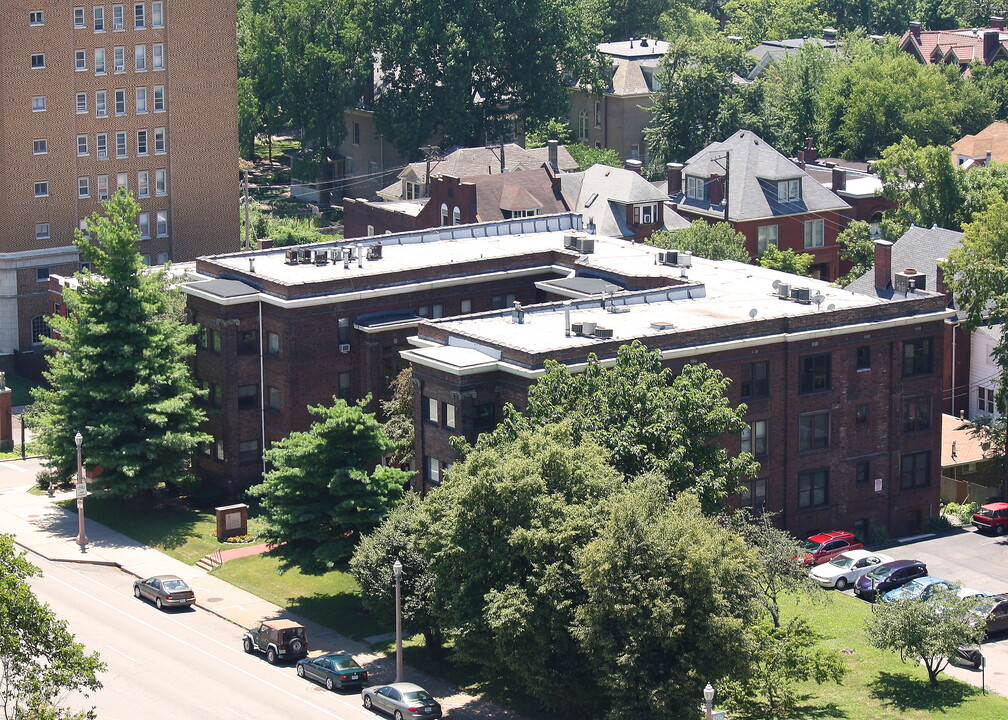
47,530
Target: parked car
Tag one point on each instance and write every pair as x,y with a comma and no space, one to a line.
922,587
887,576
165,591
846,568
279,639
822,548
401,700
336,670
993,610
992,518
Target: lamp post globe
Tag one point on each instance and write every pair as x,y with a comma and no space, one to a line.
708,695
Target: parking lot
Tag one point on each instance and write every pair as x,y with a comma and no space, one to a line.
977,561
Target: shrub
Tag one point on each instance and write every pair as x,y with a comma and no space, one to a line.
937,524
963,513
879,536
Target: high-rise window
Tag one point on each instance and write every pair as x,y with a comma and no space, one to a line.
814,430
122,181
157,14
99,19
118,18
81,103
40,147
82,144
78,18
42,189
159,141
83,187
814,373
120,144
103,187
915,470
140,58
99,61
101,103
42,231
813,488
139,17
143,223
756,380
119,59
38,60
918,358
157,55
141,100
141,142
162,223
161,182
754,438
80,60
143,184
101,145
159,104
120,102
39,103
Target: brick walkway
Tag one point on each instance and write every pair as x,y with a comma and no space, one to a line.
245,551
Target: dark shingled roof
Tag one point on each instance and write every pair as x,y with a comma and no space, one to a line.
225,288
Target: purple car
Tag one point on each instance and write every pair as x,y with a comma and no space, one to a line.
888,576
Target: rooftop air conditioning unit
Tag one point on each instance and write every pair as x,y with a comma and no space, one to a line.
784,291
671,257
321,257
588,328
686,259
305,256
577,328
802,295
291,257
374,252
586,245
570,242
344,348
603,333
335,255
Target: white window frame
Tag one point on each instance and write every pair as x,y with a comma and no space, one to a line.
119,59
160,141
143,183
119,102
456,215
696,188
143,224
101,103
815,233
140,58
789,190
583,125
122,181
157,14
103,187
79,22
444,213
82,103
38,61
101,145
139,16
157,56
141,100
43,231
83,187
82,145
161,223
99,19
161,181
39,103
449,416
80,60
99,61
143,144
36,18
159,98
42,188
121,151
433,410
40,146
766,235
118,18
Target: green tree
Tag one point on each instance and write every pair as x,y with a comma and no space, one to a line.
262,63
927,631
758,20
319,495
404,536
646,417
506,528
462,70
669,602
922,182
786,260
398,413
696,77
586,156
39,659
791,88
719,241
249,122
992,81
538,134
119,374
857,247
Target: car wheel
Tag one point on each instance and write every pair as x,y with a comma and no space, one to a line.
398,715
247,645
271,656
300,670
157,603
367,702
136,592
841,584
328,684
296,646
1000,530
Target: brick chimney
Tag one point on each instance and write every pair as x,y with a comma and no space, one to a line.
991,43
940,285
883,264
673,173
634,165
715,189
264,243
997,22
829,34
839,179
810,154
915,29
553,145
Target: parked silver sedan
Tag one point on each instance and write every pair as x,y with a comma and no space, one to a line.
165,591
401,700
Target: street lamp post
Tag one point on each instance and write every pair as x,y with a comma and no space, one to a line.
397,571
81,493
708,696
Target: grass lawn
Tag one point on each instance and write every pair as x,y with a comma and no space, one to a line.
20,389
280,146
332,599
878,686
181,532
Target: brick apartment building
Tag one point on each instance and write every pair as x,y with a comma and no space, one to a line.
94,97
840,387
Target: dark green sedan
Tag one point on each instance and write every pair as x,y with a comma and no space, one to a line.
336,670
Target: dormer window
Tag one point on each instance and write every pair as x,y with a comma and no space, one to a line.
789,190
413,191
645,214
696,188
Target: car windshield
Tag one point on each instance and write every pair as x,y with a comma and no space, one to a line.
843,562
293,633
174,585
914,586
985,512
421,695
809,546
879,573
346,664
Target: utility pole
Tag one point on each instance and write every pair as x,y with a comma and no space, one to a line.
248,222
431,152
726,171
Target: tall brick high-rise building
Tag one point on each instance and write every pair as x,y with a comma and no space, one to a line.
98,96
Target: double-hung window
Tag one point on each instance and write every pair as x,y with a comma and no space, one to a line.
141,142
83,187
101,145
162,223
157,55
159,102
143,183
120,144
161,182
81,103
82,145
80,60
140,58
160,147
120,102
789,190
78,18
814,233
99,19
139,17
99,61
141,100
101,103
118,18
119,59
157,14
103,187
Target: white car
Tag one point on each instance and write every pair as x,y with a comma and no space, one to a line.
843,571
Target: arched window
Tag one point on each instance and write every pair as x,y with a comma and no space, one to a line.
444,214
583,125
456,216
875,225
39,329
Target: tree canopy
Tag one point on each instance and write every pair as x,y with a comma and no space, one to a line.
858,248
787,261
39,659
119,374
324,488
719,241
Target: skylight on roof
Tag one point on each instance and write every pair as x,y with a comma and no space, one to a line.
590,200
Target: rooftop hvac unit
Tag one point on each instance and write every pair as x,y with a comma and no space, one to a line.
671,257
586,245
801,295
291,256
588,328
686,259
305,256
321,257
335,255
603,333
784,291
374,252
571,242
577,328
344,348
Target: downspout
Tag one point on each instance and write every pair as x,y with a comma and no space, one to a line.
262,391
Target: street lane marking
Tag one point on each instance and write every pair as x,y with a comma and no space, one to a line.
353,706
241,715
14,466
120,652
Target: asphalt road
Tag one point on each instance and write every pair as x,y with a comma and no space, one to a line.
178,664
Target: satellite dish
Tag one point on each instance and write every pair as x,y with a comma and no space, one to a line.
831,306
818,298
776,284
754,312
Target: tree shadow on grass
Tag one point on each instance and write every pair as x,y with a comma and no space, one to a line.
166,525
342,612
804,709
903,692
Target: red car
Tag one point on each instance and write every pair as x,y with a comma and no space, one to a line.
992,518
822,548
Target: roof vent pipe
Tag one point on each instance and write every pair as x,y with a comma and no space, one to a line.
360,255
567,307
251,265
517,314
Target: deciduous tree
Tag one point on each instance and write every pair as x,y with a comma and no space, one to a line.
119,374
398,412
40,661
325,489
925,186
857,247
786,260
719,241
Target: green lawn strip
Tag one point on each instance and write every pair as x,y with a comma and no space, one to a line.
180,532
20,389
332,599
280,146
878,686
